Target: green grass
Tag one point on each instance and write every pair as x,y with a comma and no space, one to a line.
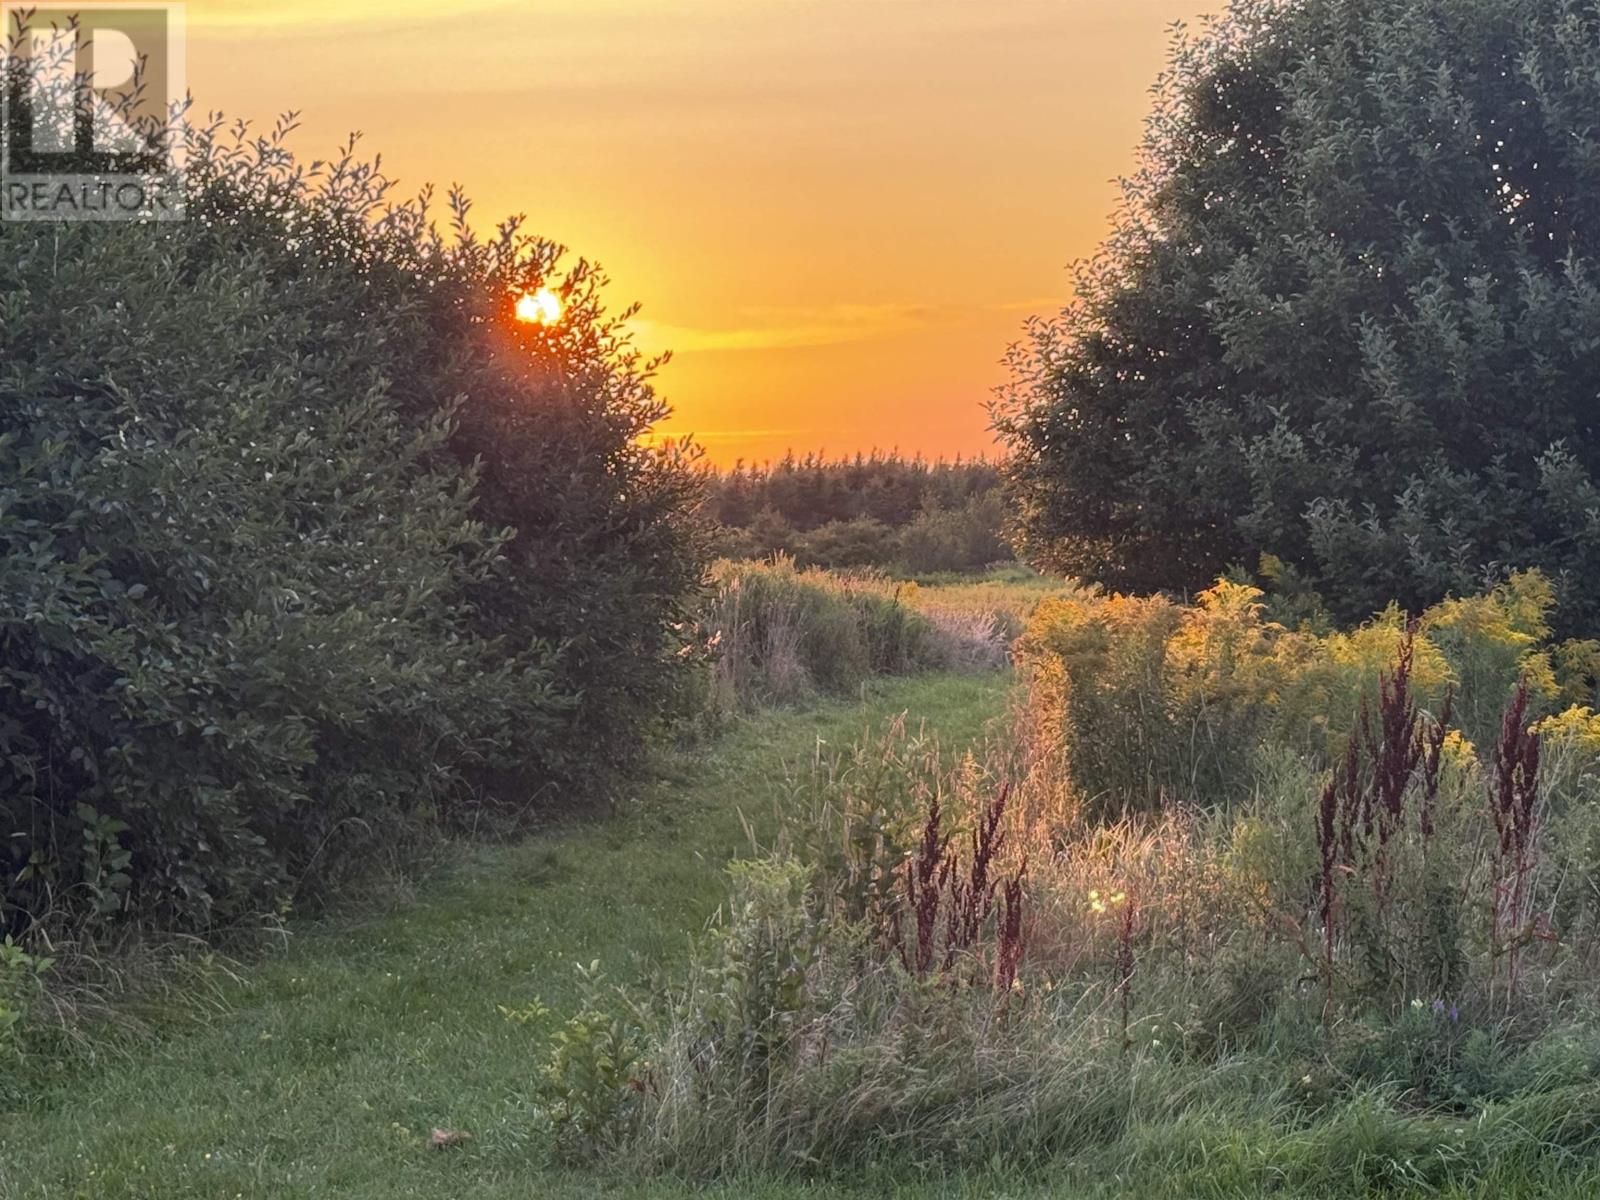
336,1056
331,1060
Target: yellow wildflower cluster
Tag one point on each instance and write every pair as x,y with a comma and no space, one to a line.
1100,904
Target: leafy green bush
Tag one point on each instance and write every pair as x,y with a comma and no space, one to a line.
20,976
859,542
590,1090
305,543
964,538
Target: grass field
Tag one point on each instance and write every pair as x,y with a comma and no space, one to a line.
334,1059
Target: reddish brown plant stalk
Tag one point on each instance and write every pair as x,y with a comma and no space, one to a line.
1513,803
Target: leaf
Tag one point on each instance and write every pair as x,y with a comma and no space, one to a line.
444,1139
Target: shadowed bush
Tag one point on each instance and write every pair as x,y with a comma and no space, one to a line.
305,545
1346,316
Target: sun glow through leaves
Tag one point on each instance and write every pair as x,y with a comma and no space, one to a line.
539,308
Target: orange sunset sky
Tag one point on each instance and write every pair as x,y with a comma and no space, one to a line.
836,213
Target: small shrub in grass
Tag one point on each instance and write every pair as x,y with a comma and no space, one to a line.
850,822
21,975
590,1086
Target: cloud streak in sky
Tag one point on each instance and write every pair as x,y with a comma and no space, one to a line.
789,329
834,325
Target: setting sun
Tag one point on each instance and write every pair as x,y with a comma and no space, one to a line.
539,308
869,319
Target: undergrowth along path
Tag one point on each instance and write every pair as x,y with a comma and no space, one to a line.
336,1057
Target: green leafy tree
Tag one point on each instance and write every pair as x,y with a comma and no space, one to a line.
305,544
878,510
860,542
1349,316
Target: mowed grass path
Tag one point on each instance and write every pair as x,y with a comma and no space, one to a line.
337,1056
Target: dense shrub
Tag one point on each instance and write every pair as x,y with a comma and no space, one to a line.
858,542
1347,317
1158,702
962,538
303,540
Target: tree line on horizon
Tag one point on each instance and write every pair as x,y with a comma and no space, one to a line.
879,509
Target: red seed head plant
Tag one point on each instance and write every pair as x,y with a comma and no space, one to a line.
1009,946
1395,751
1355,809
1360,814
972,897
1516,776
941,889
1343,812
1395,748
1513,803
1432,762
1363,806
927,873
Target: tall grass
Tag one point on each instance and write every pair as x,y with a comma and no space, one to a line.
780,633
1372,962
1010,595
